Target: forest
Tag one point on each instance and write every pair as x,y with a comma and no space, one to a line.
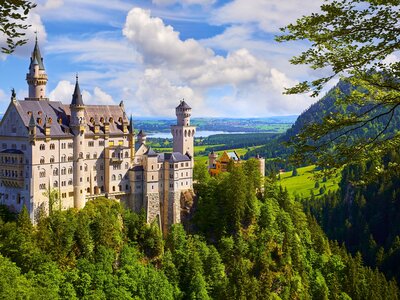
245,239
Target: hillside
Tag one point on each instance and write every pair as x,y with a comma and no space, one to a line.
329,103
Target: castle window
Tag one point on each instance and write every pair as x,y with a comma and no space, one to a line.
80,179
55,172
181,164
152,177
120,120
176,166
39,121
70,182
70,145
86,168
80,155
63,145
87,179
91,120
88,190
95,155
88,156
111,120
42,173
113,177
52,146
113,188
42,147
70,158
70,170
42,186
101,120
42,160
152,187
171,166
55,184
52,159
91,144
101,143
126,165
63,171
187,164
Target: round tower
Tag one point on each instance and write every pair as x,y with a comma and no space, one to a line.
77,125
182,132
37,77
212,160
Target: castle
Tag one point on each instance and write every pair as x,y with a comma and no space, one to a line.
86,151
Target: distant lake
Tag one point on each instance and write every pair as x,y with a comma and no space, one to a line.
200,133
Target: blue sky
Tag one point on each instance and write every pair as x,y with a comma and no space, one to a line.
219,55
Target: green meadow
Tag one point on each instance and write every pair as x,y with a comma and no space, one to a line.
305,182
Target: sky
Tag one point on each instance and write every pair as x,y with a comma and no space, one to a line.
220,56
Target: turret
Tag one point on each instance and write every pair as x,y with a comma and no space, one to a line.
142,137
183,112
212,159
78,124
32,128
183,133
131,139
37,77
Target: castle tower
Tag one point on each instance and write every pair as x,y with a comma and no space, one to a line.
212,159
183,133
37,77
77,125
142,137
131,139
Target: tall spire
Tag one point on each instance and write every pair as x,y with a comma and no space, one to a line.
37,77
77,96
36,56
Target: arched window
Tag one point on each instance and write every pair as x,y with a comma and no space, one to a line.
63,171
126,166
63,158
95,155
42,147
42,173
86,168
126,154
52,146
119,177
52,159
113,188
70,170
70,182
55,184
80,155
88,156
113,177
55,172
42,160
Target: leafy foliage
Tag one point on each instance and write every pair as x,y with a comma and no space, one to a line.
13,13
353,39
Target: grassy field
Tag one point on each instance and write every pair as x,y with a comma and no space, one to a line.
304,183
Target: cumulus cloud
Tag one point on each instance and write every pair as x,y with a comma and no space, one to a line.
243,79
64,90
184,2
269,15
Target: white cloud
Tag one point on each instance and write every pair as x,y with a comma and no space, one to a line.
269,15
248,85
36,25
184,2
64,90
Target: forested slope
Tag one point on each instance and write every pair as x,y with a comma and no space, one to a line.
240,245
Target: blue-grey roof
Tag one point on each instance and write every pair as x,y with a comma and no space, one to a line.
37,57
183,105
77,96
173,157
31,110
12,151
233,155
151,152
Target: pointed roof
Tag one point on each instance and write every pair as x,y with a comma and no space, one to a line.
183,105
32,121
77,96
141,133
36,57
131,124
151,152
